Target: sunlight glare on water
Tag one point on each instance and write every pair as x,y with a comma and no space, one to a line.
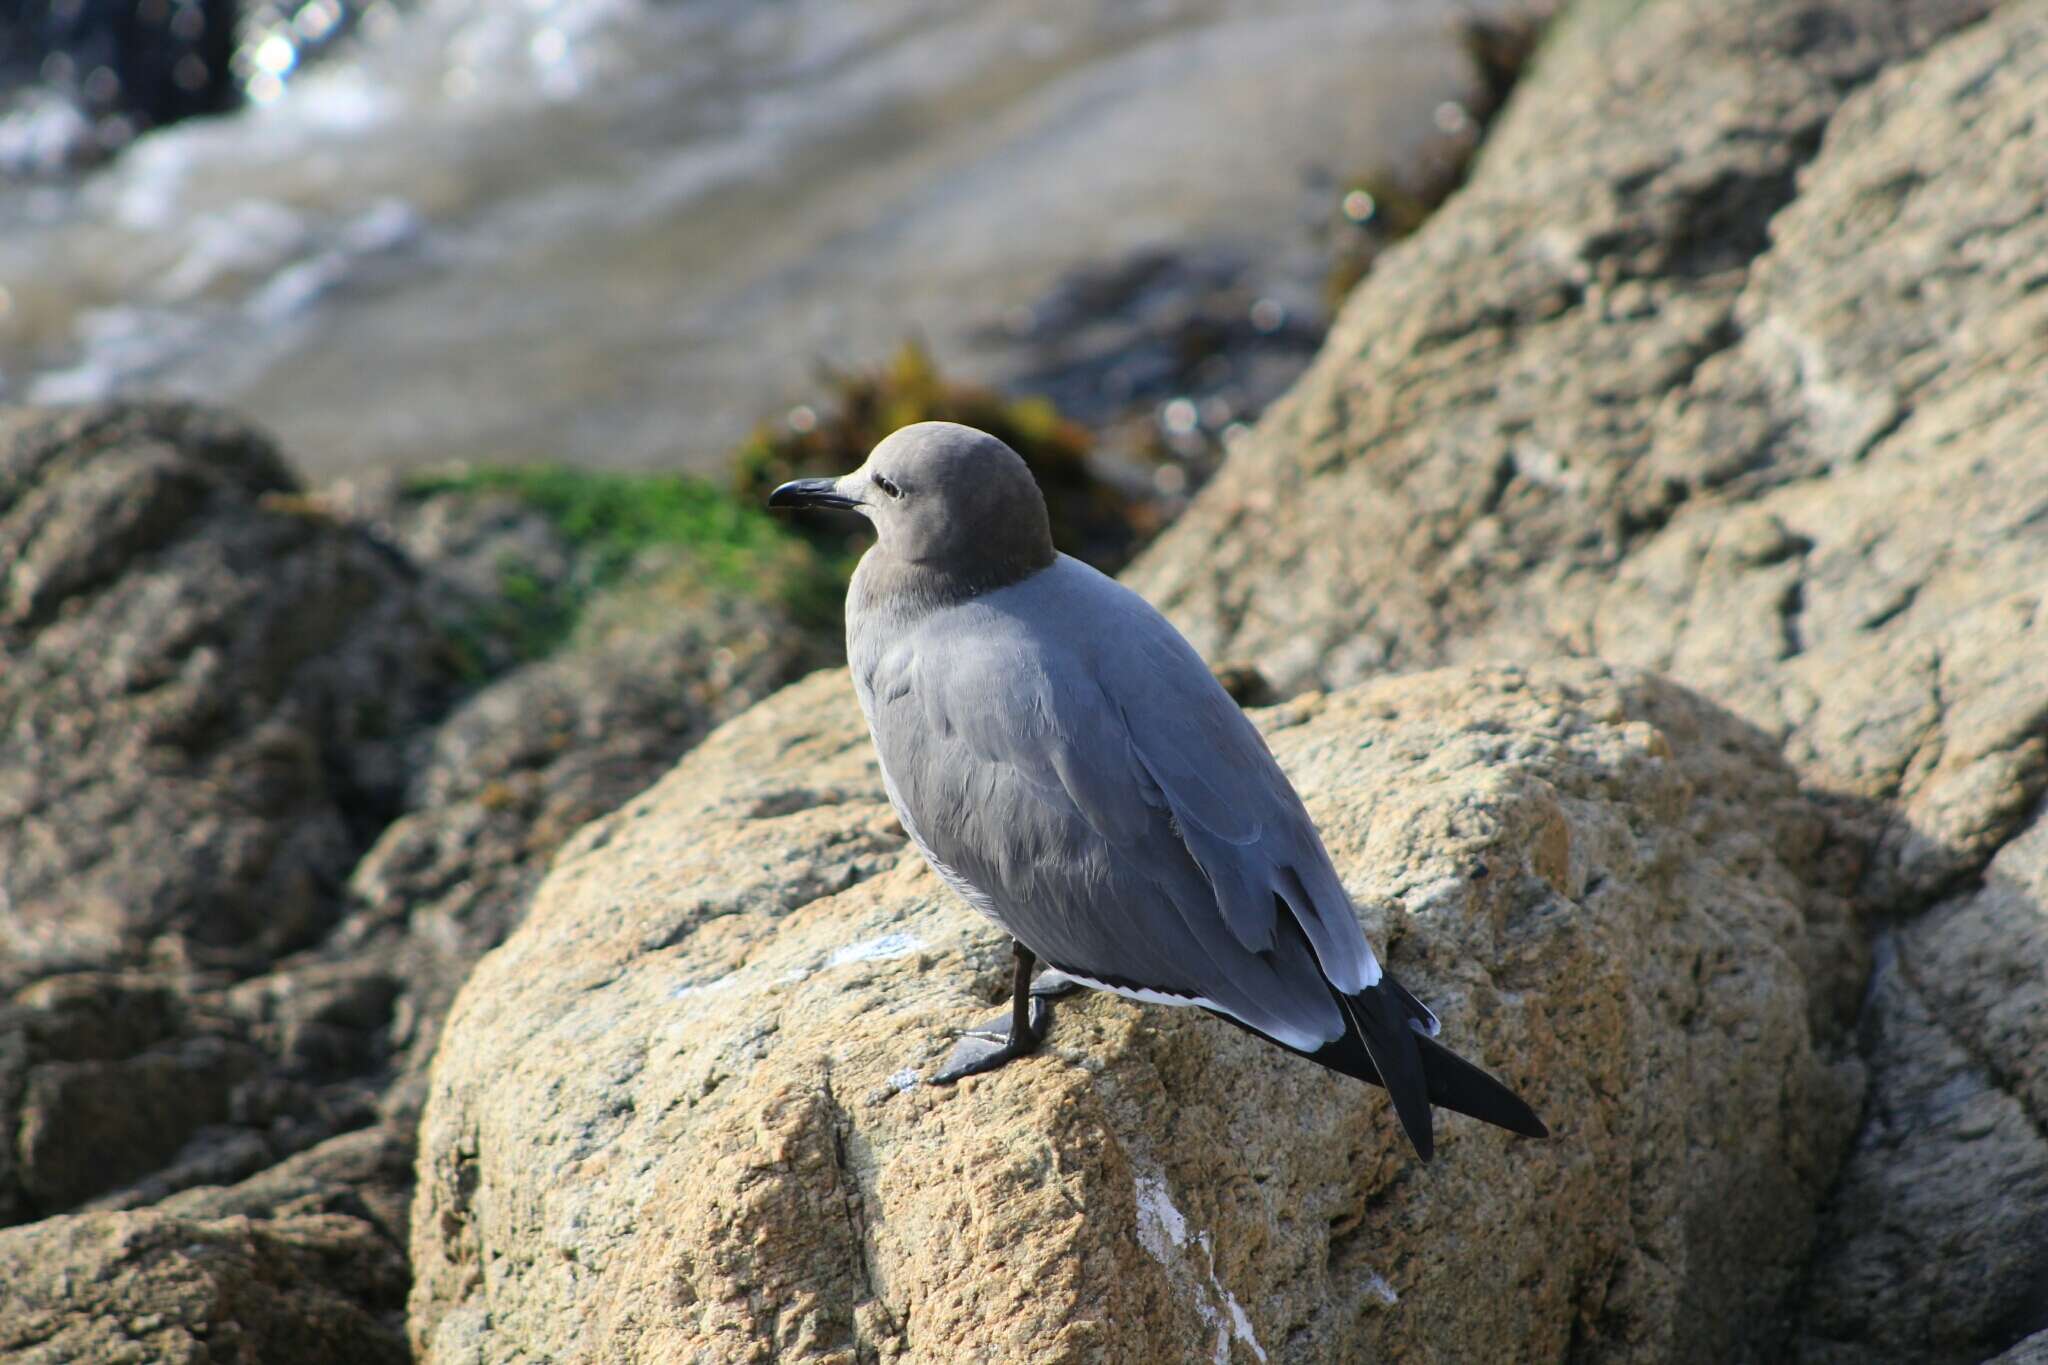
622,232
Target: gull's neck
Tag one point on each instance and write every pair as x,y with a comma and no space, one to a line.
894,593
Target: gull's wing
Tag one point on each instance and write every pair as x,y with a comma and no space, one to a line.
1063,756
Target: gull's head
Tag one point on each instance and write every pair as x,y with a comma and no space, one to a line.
948,498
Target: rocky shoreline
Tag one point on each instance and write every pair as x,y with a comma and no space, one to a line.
1695,445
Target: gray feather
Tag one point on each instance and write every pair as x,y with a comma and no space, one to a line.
1095,791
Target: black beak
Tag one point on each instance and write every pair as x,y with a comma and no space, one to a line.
811,493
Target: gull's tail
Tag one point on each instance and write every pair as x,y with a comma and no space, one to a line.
1389,1044
1379,1024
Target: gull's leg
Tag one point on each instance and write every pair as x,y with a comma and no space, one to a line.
988,1045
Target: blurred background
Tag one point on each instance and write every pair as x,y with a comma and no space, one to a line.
626,233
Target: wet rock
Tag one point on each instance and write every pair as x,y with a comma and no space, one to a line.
679,1113
209,686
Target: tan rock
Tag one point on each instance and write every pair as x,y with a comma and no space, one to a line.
1729,363
149,1289
676,1115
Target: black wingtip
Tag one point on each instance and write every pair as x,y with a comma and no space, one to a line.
1455,1083
1382,1024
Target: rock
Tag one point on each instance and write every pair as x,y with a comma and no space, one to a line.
678,1114
108,1287
302,1262
466,541
118,1089
211,689
524,764
1728,363
219,693
350,1175
2032,1351
1936,1239
1732,286
208,687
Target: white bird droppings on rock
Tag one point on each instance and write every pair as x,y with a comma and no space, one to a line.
1163,1232
876,949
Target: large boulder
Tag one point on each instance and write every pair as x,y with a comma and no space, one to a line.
1729,363
679,1115
1726,363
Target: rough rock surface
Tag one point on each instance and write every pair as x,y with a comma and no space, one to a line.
207,688
217,693
96,1288
676,1116
1730,362
1935,1244
1727,363
519,768
303,1262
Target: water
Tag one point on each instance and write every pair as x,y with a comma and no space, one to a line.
620,232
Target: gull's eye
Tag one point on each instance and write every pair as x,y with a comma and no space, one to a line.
883,483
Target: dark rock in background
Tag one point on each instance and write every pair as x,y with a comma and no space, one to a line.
209,685
261,815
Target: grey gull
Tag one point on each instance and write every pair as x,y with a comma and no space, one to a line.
1067,764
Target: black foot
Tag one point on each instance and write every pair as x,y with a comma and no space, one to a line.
988,1045
1053,983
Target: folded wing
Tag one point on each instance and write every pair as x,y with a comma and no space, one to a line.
1114,808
